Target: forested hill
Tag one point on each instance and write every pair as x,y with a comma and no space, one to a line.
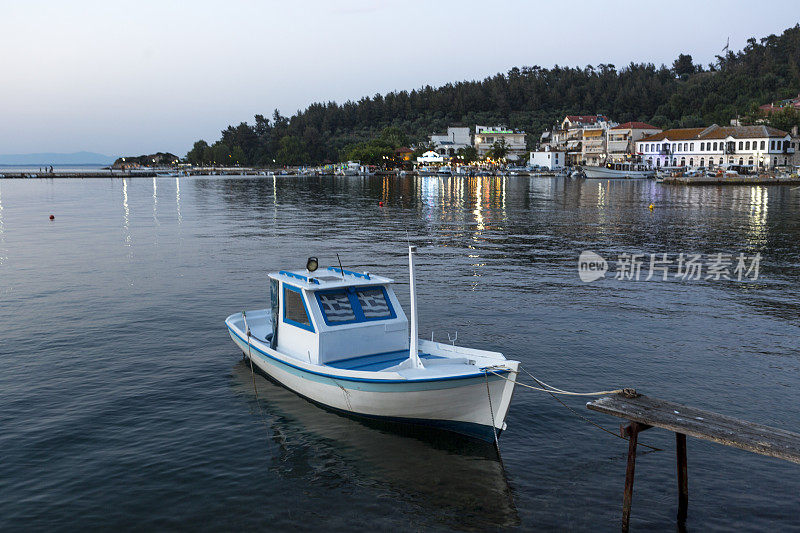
528,98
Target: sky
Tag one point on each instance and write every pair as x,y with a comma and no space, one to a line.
125,78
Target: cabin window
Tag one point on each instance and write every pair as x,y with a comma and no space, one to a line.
373,303
336,307
354,304
294,308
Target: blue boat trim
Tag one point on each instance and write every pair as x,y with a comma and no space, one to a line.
298,276
349,272
366,380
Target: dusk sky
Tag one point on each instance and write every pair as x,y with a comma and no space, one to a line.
138,77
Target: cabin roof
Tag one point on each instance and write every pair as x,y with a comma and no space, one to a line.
329,278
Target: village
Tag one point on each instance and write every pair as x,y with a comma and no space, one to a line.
591,142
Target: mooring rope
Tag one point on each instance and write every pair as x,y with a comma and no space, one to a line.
491,411
553,391
253,373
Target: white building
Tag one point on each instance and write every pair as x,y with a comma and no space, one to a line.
551,160
757,146
622,139
449,143
486,136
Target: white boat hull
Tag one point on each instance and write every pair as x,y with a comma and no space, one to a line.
610,173
453,403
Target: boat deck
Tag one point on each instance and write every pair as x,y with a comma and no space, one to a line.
377,362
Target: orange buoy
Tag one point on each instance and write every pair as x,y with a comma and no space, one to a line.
52,217
380,204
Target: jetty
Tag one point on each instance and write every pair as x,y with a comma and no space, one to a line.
644,413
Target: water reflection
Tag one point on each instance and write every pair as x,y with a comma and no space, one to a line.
178,199
155,202
126,213
2,232
757,219
457,480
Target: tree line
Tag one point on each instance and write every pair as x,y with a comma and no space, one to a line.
528,98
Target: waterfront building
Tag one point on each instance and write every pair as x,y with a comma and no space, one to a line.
449,143
576,132
756,146
486,136
621,140
549,159
594,147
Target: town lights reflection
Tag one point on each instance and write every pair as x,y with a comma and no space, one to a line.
757,217
155,202
178,199
126,212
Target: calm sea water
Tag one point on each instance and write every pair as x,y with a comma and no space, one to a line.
124,404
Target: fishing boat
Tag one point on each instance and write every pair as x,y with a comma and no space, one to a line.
341,339
618,170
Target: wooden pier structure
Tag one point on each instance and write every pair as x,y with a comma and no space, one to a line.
644,413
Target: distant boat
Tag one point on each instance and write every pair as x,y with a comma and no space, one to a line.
340,338
351,168
618,170
427,171
445,171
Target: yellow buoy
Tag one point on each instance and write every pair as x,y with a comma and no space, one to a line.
651,207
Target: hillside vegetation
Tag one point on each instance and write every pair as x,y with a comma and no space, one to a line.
527,98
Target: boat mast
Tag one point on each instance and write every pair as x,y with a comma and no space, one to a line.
413,351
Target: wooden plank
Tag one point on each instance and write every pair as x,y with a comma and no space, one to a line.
701,424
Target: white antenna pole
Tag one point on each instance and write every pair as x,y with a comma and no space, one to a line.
413,351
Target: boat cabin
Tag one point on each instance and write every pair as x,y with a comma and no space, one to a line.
334,314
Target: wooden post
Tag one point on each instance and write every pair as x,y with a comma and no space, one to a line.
683,477
633,435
